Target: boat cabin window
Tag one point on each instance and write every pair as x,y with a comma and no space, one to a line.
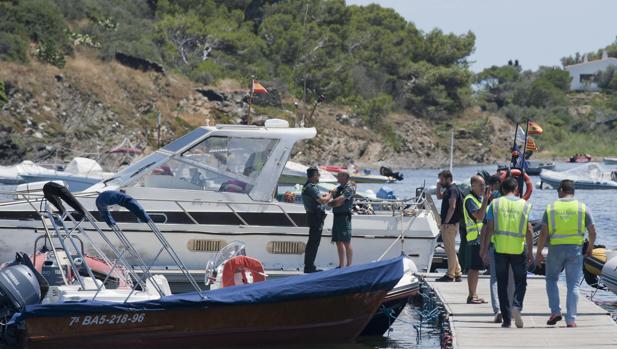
242,156
217,164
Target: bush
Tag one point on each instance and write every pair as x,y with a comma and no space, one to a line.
607,79
49,53
372,111
206,72
3,97
557,77
13,47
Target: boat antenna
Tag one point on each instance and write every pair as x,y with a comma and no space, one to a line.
158,129
512,159
304,65
248,115
320,99
451,149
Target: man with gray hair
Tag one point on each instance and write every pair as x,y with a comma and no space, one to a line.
342,204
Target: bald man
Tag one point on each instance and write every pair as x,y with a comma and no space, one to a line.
475,205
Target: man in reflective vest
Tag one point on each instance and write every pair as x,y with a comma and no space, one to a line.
474,209
564,224
508,221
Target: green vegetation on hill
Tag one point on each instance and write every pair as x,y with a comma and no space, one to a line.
343,52
368,58
574,122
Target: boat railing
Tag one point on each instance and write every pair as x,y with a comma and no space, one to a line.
396,207
70,243
66,236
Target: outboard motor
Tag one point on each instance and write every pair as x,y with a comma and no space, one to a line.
18,288
387,172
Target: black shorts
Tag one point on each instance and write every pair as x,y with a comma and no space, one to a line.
472,257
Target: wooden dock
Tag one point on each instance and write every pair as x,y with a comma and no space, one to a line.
473,327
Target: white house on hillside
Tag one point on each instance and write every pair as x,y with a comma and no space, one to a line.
583,74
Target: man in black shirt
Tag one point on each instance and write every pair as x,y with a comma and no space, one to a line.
451,213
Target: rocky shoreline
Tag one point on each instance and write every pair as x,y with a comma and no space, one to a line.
90,106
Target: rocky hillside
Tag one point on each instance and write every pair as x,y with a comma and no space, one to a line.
89,106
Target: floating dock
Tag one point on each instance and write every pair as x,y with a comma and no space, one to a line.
473,327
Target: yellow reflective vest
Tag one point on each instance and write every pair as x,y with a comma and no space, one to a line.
510,219
566,222
471,226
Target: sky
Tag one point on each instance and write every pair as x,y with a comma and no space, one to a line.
536,32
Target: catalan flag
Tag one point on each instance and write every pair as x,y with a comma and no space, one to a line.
531,145
533,128
258,88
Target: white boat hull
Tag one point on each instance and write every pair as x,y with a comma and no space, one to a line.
590,176
274,233
609,274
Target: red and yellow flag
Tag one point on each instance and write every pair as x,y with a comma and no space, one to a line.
534,128
258,88
531,145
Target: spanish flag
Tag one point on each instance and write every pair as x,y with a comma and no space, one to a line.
258,88
534,128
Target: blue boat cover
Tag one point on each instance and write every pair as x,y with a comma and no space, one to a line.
386,192
111,197
383,275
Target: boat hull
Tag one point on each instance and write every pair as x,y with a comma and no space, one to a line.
580,184
535,171
371,237
322,320
389,310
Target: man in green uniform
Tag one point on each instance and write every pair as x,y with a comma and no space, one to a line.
508,221
564,224
341,204
314,203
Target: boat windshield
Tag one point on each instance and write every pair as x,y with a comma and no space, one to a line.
226,164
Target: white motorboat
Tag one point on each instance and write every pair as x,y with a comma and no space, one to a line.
535,167
295,173
610,161
608,277
217,184
78,175
588,176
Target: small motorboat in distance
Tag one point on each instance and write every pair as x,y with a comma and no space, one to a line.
386,175
580,158
78,174
536,166
610,161
589,176
295,173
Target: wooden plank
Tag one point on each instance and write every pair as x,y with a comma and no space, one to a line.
473,326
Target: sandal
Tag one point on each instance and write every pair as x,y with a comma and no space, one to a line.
475,300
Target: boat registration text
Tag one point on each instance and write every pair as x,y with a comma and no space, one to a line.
107,319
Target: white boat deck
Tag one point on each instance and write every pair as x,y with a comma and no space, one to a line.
473,327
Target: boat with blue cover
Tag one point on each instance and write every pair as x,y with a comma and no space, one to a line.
330,306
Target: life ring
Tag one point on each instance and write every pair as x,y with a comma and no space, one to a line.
517,173
242,265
